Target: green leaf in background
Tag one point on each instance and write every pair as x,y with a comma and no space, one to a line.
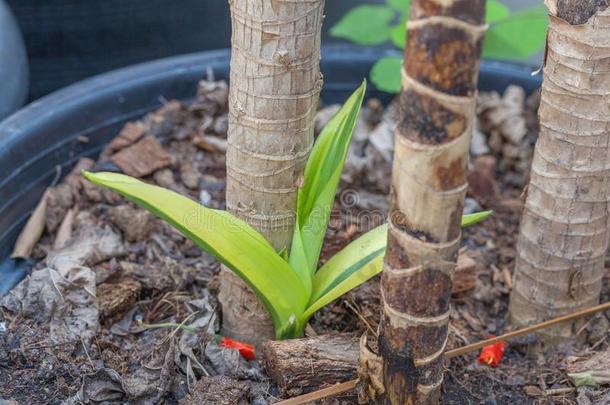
365,24
321,178
398,33
510,36
385,74
229,239
399,5
518,36
495,11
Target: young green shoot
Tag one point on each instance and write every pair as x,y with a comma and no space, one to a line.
291,286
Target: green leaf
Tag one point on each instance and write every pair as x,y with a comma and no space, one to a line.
283,254
399,5
321,178
357,263
385,74
517,37
360,275
398,33
471,219
229,239
495,11
365,25
592,378
352,266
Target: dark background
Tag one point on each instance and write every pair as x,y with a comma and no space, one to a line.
69,40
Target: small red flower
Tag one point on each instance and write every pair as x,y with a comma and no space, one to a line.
246,350
492,354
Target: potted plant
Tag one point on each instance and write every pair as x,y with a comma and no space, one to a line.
292,285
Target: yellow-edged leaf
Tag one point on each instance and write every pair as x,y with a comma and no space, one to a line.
321,178
357,263
229,239
472,219
352,266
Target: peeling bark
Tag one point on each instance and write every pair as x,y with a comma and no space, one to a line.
275,83
564,227
576,12
299,366
437,107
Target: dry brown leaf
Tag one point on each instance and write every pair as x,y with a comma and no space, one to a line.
210,143
32,231
64,233
142,158
131,133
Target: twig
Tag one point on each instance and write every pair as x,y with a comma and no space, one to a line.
585,326
170,325
87,352
361,317
558,391
458,333
525,331
55,284
323,393
35,347
349,385
171,335
599,342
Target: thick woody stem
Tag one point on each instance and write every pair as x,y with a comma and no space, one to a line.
275,83
303,365
428,188
564,227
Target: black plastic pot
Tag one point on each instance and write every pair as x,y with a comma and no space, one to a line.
45,135
13,64
69,40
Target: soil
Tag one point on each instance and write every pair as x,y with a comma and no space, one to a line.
147,279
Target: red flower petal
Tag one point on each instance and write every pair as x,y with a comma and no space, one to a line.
246,350
492,354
